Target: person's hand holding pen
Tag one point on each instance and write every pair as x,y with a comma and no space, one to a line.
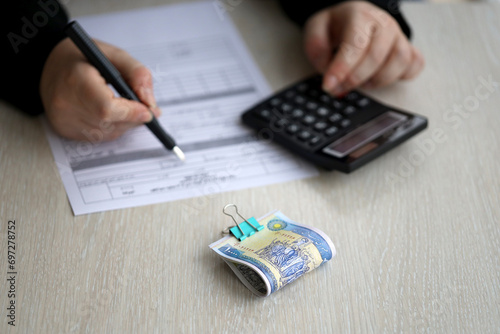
356,44
80,105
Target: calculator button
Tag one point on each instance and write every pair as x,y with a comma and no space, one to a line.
265,114
292,128
285,107
302,87
323,112
280,123
325,98
297,113
363,102
349,110
304,135
311,105
345,123
299,99
337,104
314,93
290,94
331,131
308,119
320,126
335,117
352,96
276,101
314,140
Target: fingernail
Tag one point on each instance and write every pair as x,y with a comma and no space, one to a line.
145,117
148,96
330,83
156,111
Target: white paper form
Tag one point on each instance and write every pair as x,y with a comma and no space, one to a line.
204,78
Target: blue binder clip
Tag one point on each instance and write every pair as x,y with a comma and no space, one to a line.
244,229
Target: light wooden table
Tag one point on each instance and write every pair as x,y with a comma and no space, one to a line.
417,231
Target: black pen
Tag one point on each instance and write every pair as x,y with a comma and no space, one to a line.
97,58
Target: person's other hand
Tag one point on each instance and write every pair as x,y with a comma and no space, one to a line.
356,44
78,102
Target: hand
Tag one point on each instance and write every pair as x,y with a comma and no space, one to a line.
356,44
78,102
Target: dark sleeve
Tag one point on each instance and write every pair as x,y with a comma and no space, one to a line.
300,11
30,29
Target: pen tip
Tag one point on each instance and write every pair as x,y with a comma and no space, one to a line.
179,153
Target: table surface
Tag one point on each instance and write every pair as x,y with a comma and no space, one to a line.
417,231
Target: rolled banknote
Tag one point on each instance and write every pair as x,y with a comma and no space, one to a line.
277,255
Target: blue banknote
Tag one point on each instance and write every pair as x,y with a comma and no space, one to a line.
277,255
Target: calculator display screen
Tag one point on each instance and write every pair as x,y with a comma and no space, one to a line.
365,134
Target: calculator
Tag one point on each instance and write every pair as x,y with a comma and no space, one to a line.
334,133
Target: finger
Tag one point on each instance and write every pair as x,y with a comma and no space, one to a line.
416,66
377,54
105,132
116,130
127,111
352,49
100,104
106,129
318,44
396,64
133,71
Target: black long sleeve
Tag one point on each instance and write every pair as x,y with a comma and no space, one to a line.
300,11
30,29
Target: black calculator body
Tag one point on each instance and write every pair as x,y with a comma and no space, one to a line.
335,133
